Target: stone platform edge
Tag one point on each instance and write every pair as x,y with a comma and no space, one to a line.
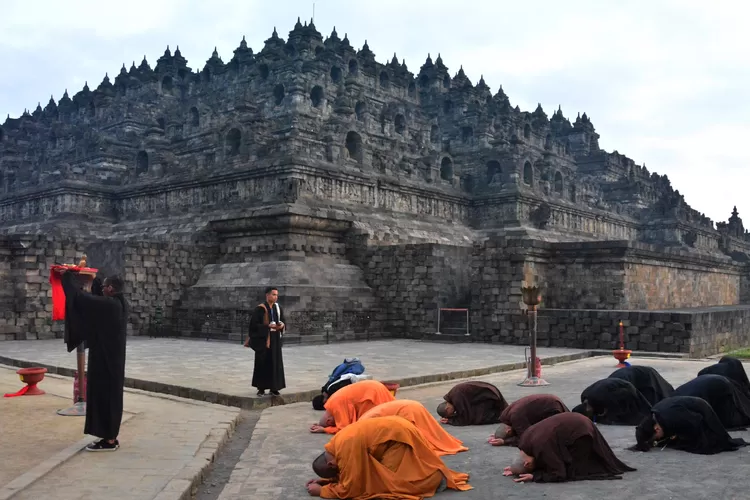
259,403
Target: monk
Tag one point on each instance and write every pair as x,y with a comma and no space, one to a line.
732,369
729,403
472,403
383,458
647,381
685,423
565,447
613,401
348,404
439,440
522,414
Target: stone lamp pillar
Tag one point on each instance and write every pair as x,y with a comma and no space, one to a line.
532,298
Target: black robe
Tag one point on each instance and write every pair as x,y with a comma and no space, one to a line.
268,370
729,403
691,425
102,323
732,369
614,402
647,380
475,403
569,447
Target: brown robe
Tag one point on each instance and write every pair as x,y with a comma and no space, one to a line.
569,447
529,410
475,403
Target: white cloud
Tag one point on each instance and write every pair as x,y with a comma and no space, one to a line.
665,81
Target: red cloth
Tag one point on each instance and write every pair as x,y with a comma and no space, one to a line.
58,295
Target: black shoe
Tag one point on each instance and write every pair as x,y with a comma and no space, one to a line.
276,393
261,393
103,445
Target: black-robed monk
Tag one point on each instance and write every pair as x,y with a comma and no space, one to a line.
647,380
732,369
613,401
100,322
266,328
685,423
731,405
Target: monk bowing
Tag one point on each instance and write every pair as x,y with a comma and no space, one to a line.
383,458
685,423
439,440
646,380
613,401
472,403
522,414
349,403
565,447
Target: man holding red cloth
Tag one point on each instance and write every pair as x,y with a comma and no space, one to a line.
101,323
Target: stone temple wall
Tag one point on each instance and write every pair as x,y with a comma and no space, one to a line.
155,274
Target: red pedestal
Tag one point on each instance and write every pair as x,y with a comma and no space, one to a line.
31,377
621,355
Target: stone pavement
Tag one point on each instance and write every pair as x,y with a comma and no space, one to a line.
277,464
221,372
167,445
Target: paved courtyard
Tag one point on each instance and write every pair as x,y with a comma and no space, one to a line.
166,443
227,368
277,463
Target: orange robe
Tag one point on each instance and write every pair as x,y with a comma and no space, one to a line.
349,403
438,438
387,458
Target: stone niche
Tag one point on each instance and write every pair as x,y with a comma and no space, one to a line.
302,254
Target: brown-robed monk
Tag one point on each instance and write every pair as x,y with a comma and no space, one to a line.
438,438
348,404
522,414
565,447
472,403
385,458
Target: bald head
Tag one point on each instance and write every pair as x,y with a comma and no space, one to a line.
503,431
518,467
325,466
327,420
445,409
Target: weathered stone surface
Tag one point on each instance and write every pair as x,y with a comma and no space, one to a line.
370,195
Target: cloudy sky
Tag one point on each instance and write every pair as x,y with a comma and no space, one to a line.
666,82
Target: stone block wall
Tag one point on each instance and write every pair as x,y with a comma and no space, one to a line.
667,285
155,274
412,281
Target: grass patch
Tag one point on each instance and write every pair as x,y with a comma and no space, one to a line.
741,353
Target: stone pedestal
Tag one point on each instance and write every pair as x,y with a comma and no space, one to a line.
319,289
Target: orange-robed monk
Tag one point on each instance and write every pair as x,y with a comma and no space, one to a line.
346,405
438,438
385,458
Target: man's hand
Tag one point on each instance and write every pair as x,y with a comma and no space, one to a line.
314,489
268,342
280,325
312,481
507,471
444,420
317,429
495,441
524,478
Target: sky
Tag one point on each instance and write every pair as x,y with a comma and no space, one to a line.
665,82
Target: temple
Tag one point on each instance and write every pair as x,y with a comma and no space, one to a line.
369,194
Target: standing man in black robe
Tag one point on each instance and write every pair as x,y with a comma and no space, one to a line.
266,329
102,324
